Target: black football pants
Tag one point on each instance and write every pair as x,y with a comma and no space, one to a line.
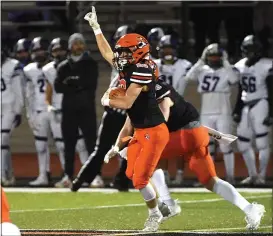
110,126
71,122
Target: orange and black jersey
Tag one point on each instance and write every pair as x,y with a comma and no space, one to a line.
182,112
145,112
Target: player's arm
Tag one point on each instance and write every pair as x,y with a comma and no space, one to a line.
237,112
183,81
165,106
126,102
17,88
29,93
163,99
49,92
269,83
102,43
232,72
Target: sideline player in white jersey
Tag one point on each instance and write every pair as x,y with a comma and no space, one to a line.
215,76
58,51
172,70
12,101
253,111
36,106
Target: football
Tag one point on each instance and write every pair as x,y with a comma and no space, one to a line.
116,92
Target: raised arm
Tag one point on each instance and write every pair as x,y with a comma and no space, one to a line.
102,43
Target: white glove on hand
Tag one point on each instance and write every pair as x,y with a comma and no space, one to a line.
123,153
91,17
105,99
111,153
51,108
204,53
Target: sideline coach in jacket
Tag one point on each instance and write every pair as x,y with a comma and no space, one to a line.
77,79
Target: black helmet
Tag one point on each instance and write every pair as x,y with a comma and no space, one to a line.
153,37
214,55
251,47
122,30
60,47
39,44
168,46
4,53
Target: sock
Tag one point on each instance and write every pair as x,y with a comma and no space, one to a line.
161,187
4,154
61,157
264,155
9,167
154,210
43,157
249,157
229,164
229,193
148,192
179,174
48,160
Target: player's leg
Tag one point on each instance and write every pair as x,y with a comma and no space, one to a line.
152,141
202,164
55,126
6,126
5,216
70,133
81,148
223,124
41,143
244,133
262,137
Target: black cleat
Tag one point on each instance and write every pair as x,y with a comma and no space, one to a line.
76,185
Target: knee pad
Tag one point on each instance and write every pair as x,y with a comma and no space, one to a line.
41,146
80,146
243,144
262,142
140,182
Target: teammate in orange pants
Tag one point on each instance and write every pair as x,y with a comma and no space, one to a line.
5,217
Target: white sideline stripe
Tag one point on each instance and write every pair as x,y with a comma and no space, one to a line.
108,190
127,205
226,229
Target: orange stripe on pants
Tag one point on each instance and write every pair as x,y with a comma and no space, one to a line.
4,207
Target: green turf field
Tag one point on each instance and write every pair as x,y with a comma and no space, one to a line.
126,211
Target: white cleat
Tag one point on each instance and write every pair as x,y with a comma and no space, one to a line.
174,210
178,178
248,180
97,182
254,214
40,181
65,182
153,222
259,181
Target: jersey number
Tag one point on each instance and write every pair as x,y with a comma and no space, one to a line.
210,83
167,79
249,84
3,85
41,83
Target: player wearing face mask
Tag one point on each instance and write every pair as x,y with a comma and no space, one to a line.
172,70
153,37
36,105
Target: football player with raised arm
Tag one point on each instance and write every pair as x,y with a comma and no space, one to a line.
131,58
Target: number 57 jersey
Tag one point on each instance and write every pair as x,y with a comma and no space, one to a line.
214,85
253,79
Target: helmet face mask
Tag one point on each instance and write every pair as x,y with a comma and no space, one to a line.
251,47
167,47
214,56
167,53
39,55
130,49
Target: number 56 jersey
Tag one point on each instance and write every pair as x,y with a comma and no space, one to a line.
35,87
253,79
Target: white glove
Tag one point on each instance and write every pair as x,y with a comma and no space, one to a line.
123,153
91,17
111,153
105,99
51,108
204,54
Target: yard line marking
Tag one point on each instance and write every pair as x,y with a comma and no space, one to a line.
109,191
127,205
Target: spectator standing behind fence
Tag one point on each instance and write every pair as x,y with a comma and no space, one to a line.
77,79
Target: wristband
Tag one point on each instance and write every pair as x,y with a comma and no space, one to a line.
97,31
106,102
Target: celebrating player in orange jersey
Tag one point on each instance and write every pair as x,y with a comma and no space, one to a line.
137,77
